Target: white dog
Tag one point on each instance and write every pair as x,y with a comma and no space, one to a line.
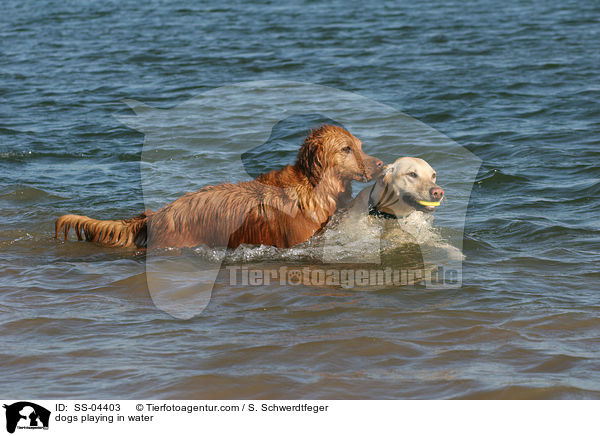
406,185
385,221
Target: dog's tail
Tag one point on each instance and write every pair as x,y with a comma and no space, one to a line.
110,233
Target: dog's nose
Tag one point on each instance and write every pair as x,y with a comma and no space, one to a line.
437,193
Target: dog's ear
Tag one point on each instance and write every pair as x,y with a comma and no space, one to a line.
311,157
386,175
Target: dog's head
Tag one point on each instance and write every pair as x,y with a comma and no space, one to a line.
409,184
334,149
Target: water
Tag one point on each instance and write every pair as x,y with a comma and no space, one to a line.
516,84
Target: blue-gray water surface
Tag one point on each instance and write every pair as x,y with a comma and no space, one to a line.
515,83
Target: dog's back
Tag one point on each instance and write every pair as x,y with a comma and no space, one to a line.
223,215
230,215
281,208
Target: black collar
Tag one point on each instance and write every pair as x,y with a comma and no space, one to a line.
376,212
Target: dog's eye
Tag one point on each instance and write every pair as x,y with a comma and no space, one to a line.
347,149
413,174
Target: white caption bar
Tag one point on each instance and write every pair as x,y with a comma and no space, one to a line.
159,417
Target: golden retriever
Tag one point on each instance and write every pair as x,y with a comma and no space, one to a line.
282,208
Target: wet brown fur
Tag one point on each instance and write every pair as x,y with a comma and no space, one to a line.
281,208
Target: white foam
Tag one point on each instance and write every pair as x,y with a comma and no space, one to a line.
361,240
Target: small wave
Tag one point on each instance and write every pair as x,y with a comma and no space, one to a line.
20,156
26,194
472,243
532,393
555,363
13,239
538,229
583,188
495,178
